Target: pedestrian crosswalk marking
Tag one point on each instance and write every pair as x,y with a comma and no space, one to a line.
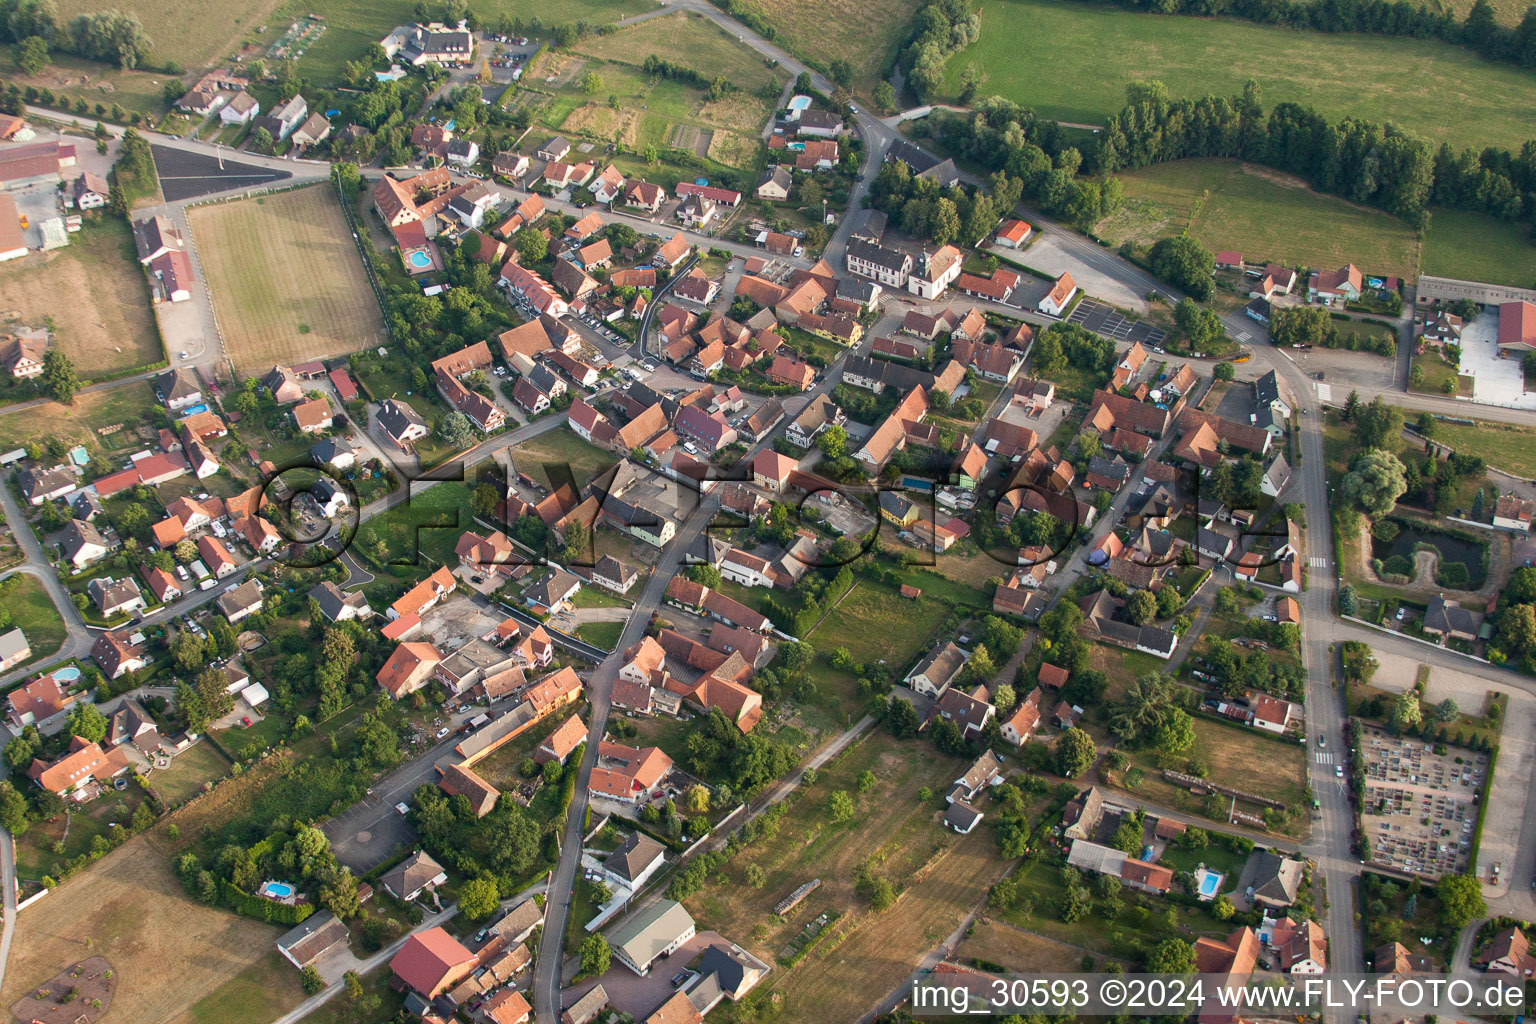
1324,393
1317,562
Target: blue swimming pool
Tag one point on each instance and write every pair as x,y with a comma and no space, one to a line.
1208,882
193,410
67,674
420,260
277,890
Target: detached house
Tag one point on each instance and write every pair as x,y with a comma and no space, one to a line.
1334,287
1059,297
938,669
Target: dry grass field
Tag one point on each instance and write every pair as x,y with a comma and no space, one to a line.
1018,950
96,293
898,840
865,32
191,33
132,403
170,953
287,282
1266,215
850,973
689,39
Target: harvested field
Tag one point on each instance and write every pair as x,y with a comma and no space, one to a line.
168,951
303,296
96,293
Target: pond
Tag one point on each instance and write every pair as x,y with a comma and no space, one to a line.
1451,548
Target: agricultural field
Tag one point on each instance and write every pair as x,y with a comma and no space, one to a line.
170,952
1477,247
1264,214
96,293
866,34
286,279
808,845
1440,92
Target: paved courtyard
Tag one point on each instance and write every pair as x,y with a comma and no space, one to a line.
1495,380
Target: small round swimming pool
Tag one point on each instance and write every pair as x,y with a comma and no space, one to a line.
420,260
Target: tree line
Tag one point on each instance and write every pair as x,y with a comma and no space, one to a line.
110,36
1361,161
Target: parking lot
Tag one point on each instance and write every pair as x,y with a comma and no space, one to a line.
1101,318
185,175
1420,808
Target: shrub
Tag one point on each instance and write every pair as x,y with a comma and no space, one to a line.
1452,574
1400,565
1386,530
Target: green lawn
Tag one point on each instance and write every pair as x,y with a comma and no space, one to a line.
1436,372
1214,856
1265,215
591,596
191,768
33,612
263,991
603,634
561,447
1477,247
1505,446
429,524
1137,930
1072,61
876,624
